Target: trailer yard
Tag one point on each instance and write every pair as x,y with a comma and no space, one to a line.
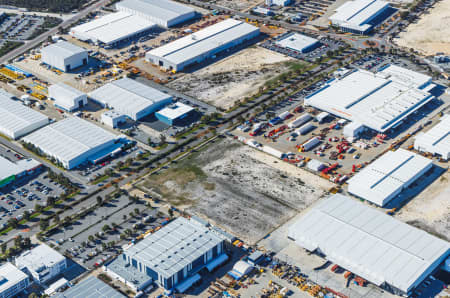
229,184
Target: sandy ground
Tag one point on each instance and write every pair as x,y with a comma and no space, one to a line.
431,34
223,83
243,191
242,5
430,210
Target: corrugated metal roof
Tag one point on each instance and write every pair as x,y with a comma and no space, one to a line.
66,90
128,96
69,138
387,175
174,246
62,49
112,27
203,41
91,287
368,242
437,139
378,101
162,9
16,117
297,42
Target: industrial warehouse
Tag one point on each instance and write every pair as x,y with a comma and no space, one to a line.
113,28
91,287
201,45
67,97
130,98
10,171
173,256
380,101
386,177
164,13
18,120
298,42
437,140
372,245
64,56
359,16
175,113
74,141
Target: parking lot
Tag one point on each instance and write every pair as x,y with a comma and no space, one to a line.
326,45
25,192
19,27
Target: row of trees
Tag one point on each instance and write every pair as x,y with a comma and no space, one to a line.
44,5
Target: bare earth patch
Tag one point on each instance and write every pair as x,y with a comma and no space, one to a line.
431,34
231,79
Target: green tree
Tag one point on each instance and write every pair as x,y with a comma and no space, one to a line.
99,201
91,238
18,241
56,219
170,212
12,222
136,211
106,228
43,224
4,247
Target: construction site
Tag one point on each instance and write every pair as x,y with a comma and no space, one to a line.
228,184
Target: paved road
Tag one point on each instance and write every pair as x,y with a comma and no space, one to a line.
33,43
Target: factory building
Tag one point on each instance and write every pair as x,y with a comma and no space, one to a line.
131,98
175,113
278,2
173,256
377,247
437,140
202,45
9,170
113,29
359,16
42,263
379,101
67,97
113,119
385,178
164,13
12,281
298,42
16,119
91,287
74,141
64,56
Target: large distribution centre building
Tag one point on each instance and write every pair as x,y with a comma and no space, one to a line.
386,177
298,42
358,16
201,45
73,141
67,97
164,13
64,56
175,113
379,101
42,263
130,98
12,281
113,28
173,255
437,140
16,119
369,243
91,287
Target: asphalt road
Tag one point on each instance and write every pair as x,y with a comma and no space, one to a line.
33,43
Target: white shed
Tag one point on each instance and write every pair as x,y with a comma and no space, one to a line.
64,56
67,97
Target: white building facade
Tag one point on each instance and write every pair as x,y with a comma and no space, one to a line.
12,281
67,97
437,140
64,56
112,118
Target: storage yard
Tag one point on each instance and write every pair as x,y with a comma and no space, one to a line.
246,192
231,79
430,34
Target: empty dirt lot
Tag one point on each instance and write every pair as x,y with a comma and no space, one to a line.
431,34
242,5
238,188
233,78
430,210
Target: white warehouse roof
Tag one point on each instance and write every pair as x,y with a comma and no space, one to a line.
297,42
165,13
70,139
202,42
112,28
62,49
357,13
66,96
436,140
173,247
379,101
175,110
38,257
16,119
10,276
387,176
369,243
130,98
